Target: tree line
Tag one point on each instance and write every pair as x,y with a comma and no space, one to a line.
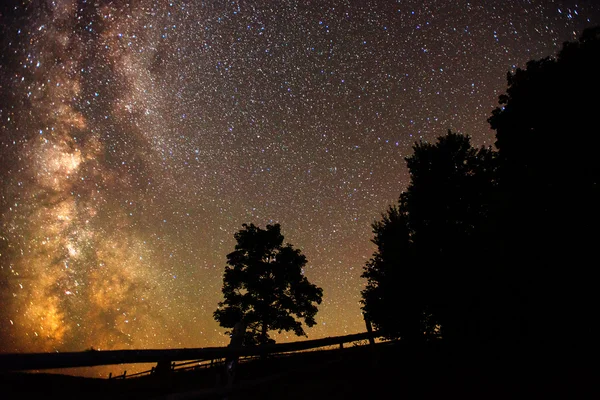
484,246
500,246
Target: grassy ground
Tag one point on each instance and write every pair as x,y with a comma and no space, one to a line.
362,372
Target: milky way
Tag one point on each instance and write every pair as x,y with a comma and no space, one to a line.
138,137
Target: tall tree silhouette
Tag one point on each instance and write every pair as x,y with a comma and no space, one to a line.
264,286
502,245
426,262
548,138
448,203
393,298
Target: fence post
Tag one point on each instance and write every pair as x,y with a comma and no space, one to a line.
124,374
110,375
369,329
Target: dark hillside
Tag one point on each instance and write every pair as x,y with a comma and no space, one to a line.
359,372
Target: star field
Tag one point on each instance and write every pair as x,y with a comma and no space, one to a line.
137,137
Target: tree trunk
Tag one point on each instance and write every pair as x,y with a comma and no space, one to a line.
263,340
231,361
263,334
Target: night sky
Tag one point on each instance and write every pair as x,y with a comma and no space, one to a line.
137,138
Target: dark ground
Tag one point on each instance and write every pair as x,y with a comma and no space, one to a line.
389,370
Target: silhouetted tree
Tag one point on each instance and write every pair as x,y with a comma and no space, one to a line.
264,286
426,267
502,245
548,111
393,298
449,202
548,139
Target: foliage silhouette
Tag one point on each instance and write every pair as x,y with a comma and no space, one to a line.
548,138
499,247
447,203
264,286
419,276
392,299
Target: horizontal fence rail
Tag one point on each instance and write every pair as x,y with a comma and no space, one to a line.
185,366
93,358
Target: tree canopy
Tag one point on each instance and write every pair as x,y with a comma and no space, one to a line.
548,139
264,286
500,245
421,243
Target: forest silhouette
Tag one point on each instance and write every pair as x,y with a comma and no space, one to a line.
500,247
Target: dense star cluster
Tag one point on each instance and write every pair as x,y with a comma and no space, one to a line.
137,137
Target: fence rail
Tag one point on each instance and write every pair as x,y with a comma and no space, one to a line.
185,366
40,361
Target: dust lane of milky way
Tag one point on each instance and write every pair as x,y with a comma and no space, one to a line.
138,136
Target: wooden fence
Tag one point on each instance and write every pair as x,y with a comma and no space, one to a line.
185,366
40,361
